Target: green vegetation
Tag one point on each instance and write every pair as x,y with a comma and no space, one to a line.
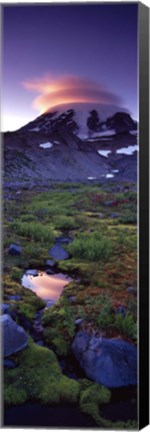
59,328
91,397
102,264
91,246
33,231
38,377
103,256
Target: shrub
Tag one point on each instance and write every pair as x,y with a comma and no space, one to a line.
91,246
128,218
65,222
36,232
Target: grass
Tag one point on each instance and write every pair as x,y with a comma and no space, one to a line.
37,232
91,246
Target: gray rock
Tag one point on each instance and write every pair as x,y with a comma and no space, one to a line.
14,297
101,215
40,342
79,321
14,249
9,219
9,364
111,362
121,310
38,328
115,215
72,299
14,337
63,240
4,308
49,303
108,203
32,272
58,253
49,271
132,290
50,263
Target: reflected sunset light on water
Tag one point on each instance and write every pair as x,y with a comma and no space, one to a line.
46,286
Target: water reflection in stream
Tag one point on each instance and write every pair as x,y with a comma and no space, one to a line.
48,287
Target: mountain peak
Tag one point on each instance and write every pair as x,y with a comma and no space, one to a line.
75,118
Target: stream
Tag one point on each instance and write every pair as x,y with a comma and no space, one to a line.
123,404
65,415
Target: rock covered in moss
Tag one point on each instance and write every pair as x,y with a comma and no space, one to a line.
14,337
111,362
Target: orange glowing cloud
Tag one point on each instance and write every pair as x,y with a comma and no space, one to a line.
63,90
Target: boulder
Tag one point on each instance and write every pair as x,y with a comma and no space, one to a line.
14,249
4,308
58,253
14,337
111,362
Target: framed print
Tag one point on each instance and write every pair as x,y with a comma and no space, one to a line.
75,189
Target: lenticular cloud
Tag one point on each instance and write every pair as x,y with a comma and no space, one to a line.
71,89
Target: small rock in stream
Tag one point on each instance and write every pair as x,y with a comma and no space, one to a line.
32,272
50,263
49,272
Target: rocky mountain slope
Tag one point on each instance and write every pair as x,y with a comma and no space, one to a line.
77,143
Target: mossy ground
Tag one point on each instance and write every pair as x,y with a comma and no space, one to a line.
38,377
103,264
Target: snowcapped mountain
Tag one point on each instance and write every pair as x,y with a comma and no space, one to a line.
82,119
79,142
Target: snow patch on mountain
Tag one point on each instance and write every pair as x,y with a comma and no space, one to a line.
127,150
46,145
104,152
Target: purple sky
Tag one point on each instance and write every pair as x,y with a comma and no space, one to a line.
59,53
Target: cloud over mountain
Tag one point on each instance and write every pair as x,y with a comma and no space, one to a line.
68,89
